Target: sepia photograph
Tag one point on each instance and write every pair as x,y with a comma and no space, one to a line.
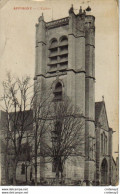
59,102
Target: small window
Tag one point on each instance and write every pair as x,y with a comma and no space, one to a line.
58,92
23,169
58,127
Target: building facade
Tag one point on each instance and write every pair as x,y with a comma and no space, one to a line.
65,66
65,59
103,145
65,62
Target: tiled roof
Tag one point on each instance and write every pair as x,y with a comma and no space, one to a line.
98,106
28,119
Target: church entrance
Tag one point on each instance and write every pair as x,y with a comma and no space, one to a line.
104,172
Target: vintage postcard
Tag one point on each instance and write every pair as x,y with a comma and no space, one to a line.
59,93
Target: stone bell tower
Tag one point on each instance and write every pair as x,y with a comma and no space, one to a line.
65,65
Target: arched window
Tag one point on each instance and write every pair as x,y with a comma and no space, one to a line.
53,55
56,139
53,43
63,41
63,51
58,92
106,144
23,168
104,172
102,143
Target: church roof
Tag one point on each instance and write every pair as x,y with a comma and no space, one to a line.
98,106
27,118
101,115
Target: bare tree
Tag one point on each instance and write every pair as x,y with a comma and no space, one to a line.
41,110
66,129
26,115
17,106
4,142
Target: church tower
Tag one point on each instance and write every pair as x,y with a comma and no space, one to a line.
65,65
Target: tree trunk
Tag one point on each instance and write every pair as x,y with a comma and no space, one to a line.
36,156
14,174
35,171
6,171
62,174
57,175
26,173
6,163
62,178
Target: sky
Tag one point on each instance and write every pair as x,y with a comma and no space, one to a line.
17,44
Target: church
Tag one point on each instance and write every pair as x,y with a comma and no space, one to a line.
65,64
